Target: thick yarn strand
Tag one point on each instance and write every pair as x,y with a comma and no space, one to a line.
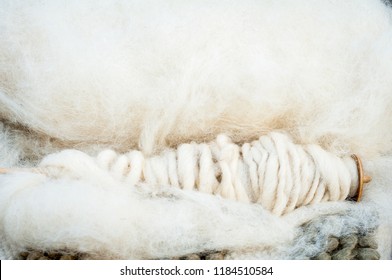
272,171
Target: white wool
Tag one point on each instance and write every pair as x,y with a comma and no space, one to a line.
105,219
9,155
153,75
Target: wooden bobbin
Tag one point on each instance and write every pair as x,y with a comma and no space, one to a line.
362,178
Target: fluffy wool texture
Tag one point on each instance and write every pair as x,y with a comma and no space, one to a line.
152,75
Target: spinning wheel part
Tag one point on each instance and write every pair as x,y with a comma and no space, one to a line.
362,179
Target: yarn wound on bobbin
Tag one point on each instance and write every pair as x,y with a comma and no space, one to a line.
272,171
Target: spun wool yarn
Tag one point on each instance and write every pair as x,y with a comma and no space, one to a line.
272,171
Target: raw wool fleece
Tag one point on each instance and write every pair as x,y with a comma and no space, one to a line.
150,75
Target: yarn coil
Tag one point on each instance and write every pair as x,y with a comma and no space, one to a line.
272,171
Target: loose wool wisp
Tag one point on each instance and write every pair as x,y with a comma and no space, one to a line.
155,129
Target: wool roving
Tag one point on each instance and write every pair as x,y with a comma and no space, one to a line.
155,76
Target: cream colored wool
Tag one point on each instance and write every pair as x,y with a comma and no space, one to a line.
272,171
152,75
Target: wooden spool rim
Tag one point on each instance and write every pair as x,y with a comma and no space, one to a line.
362,179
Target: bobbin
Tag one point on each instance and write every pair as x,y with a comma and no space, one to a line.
362,179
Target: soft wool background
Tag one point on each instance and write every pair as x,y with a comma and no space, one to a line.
153,74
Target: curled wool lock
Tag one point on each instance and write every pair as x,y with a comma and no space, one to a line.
272,171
